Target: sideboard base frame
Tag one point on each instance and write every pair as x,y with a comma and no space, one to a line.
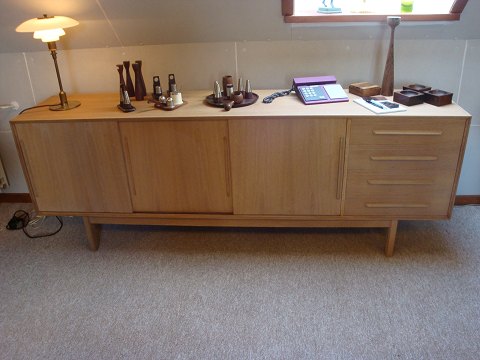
92,225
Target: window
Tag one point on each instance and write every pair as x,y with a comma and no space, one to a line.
305,11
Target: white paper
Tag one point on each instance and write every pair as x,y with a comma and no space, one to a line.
377,110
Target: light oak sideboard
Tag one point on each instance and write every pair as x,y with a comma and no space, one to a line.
266,165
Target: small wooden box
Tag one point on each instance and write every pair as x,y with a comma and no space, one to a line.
417,87
438,97
408,97
364,89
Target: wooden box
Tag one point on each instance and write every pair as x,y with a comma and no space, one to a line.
417,87
364,89
408,97
438,97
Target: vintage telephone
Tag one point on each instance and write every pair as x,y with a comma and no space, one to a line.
319,90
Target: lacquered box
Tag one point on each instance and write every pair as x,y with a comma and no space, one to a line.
438,97
417,87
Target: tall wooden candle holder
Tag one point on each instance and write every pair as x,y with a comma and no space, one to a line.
388,74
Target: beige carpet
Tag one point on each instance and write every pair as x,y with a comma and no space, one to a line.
189,293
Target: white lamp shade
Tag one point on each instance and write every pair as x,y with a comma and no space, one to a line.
47,28
49,35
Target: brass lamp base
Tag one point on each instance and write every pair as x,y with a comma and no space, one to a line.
66,106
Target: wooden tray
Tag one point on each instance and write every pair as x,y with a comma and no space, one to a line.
160,105
210,99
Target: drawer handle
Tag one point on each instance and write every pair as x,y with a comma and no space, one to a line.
129,164
27,163
228,167
341,164
408,132
404,158
399,182
393,205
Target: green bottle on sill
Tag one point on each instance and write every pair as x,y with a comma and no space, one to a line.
406,6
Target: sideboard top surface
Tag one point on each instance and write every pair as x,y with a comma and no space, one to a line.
103,106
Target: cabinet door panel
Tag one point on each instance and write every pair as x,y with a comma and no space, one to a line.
178,166
287,166
75,166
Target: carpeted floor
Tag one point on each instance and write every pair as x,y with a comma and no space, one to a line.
199,293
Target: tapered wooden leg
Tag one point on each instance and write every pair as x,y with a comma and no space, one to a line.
391,234
93,234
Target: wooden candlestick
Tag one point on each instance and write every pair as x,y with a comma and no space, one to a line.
129,83
138,82
120,73
388,74
144,88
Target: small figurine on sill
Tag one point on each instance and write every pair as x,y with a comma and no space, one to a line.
329,10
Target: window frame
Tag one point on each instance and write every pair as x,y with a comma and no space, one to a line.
290,17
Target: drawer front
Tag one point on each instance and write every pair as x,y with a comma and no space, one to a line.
402,167
406,131
414,193
401,158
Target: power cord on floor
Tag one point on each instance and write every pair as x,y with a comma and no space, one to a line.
21,219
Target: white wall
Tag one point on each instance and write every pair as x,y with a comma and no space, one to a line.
445,56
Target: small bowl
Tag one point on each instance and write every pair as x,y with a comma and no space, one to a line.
237,97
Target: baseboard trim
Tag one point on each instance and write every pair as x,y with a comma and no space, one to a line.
467,200
15,198
25,198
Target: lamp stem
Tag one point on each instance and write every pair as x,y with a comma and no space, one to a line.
64,104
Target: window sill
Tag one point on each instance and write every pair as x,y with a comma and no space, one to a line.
319,18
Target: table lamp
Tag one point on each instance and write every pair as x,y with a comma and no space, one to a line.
49,29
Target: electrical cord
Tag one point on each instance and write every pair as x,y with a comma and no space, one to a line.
21,219
270,98
34,107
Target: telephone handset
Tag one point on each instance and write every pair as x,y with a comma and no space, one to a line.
319,89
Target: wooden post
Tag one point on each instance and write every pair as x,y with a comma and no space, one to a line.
93,234
287,7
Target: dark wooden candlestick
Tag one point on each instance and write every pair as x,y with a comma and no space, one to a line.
138,82
120,73
144,89
388,74
129,83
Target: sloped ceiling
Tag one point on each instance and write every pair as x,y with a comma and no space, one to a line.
112,23
108,23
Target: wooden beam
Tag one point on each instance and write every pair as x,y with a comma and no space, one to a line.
287,7
458,6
